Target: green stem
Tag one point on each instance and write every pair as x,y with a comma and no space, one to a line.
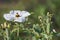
4,38
48,26
18,32
7,34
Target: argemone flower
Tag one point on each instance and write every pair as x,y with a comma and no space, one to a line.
16,15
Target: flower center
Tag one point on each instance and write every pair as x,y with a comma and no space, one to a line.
17,15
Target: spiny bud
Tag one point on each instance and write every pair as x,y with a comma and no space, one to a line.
39,17
2,25
8,25
5,24
48,14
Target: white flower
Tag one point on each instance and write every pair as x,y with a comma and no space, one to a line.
16,15
54,30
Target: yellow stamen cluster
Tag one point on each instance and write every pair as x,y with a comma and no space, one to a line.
17,15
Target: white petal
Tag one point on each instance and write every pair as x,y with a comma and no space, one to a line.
8,17
25,14
12,12
20,19
15,11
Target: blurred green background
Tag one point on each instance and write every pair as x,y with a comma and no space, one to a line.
38,7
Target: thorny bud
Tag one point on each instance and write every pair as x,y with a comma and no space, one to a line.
40,17
5,24
8,26
2,25
48,14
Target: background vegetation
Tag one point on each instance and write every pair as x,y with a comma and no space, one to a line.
38,7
